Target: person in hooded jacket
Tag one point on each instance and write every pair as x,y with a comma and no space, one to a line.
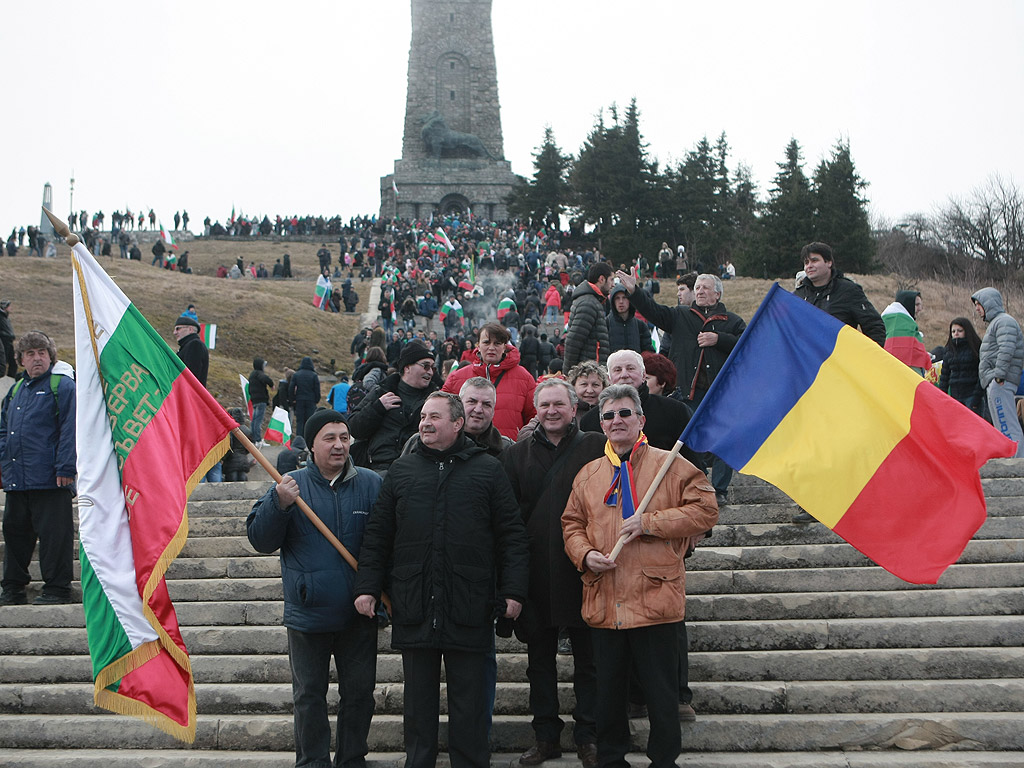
305,392
625,330
587,335
1001,358
318,590
259,384
958,376
529,350
496,360
447,532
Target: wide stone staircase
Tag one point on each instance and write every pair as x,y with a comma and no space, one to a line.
803,654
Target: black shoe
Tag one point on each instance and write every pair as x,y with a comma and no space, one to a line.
541,751
587,753
803,517
10,597
45,599
722,498
565,646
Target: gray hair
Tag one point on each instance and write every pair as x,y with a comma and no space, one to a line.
585,368
478,382
619,392
714,279
549,383
626,353
455,407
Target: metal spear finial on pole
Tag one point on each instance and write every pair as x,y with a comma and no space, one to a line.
62,229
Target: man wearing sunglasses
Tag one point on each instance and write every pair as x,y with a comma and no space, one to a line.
635,603
389,414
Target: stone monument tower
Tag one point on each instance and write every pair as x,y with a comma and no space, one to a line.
453,157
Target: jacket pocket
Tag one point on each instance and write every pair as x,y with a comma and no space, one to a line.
407,594
298,589
594,608
472,591
662,592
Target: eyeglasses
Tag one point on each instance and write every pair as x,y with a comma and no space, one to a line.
427,366
624,413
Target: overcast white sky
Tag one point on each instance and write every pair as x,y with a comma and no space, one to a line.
298,107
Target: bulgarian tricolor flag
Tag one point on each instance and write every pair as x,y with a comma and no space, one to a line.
505,306
322,292
521,240
208,334
279,430
245,395
903,339
138,408
451,307
442,239
166,237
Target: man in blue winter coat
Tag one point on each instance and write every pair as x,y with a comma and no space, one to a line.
318,597
37,463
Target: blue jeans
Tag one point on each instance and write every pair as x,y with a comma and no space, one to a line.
258,411
215,475
550,314
355,658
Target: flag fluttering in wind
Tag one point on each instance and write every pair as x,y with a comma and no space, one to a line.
166,237
245,395
279,430
505,306
903,339
322,292
442,239
860,441
147,433
394,186
208,334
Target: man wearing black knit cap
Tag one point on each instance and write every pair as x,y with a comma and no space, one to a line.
191,350
389,414
319,614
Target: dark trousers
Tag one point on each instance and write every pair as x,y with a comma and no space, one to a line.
636,695
542,672
465,673
653,652
303,410
43,515
355,657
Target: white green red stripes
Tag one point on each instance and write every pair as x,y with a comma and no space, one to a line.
147,432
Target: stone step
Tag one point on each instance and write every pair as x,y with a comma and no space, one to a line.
815,697
705,666
713,557
200,758
998,731
265,607
756,634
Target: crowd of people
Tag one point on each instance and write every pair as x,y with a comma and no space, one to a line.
484,461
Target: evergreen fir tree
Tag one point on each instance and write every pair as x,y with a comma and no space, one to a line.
789,217
842,217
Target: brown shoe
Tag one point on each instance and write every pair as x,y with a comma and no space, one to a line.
686,713
587,753
543,750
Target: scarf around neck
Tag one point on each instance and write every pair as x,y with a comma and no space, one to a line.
622,478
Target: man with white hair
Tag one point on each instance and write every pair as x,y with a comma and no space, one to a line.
703,335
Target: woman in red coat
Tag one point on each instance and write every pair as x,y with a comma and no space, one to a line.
498,362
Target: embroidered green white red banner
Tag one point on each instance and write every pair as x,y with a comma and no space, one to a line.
147,433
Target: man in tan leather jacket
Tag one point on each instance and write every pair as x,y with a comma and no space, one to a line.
634,602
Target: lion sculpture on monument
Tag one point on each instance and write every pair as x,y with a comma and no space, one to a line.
438,138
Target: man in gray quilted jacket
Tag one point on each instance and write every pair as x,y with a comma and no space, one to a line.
1002,357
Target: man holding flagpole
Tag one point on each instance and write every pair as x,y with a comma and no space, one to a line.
634,602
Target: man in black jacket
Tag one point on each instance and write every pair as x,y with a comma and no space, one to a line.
625,331
447,531
259,385
191,350
542,468
842,298
587,335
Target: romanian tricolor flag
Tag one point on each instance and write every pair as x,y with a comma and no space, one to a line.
147,433
505,306
860,441
903,339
